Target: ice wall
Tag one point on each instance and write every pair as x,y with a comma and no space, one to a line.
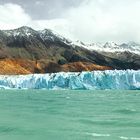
111,79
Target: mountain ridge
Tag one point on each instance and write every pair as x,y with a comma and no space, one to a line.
47,51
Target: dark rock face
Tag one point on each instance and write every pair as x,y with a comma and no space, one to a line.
124,60
52,50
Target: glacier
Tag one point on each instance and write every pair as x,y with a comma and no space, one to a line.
96,80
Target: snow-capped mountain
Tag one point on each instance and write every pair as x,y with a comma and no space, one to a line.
28,32
113,47
43,51
48,34
23,31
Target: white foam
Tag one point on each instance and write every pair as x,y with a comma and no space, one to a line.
98,135
129,138
124,138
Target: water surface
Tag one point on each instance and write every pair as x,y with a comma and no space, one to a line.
69,115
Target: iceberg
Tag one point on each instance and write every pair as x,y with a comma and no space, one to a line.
96,80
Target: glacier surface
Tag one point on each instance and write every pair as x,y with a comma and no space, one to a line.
100,80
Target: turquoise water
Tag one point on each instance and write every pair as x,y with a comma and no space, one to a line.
69,115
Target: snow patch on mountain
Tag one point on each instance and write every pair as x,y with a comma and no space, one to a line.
112,47
23,31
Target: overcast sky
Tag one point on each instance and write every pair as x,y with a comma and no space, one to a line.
85,20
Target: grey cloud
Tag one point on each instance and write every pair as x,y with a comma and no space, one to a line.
86,20
45,9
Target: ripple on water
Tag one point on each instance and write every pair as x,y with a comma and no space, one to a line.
126,111
129,138
98,135
6,129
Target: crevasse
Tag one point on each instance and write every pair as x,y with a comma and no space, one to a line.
110,79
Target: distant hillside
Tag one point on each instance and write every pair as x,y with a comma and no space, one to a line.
24,51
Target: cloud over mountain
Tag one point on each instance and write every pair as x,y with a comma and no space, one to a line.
89,20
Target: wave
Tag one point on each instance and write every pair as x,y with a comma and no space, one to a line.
128,138
98,135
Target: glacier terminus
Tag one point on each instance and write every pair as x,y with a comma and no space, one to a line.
96,80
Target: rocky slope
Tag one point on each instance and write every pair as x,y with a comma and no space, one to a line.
25,51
